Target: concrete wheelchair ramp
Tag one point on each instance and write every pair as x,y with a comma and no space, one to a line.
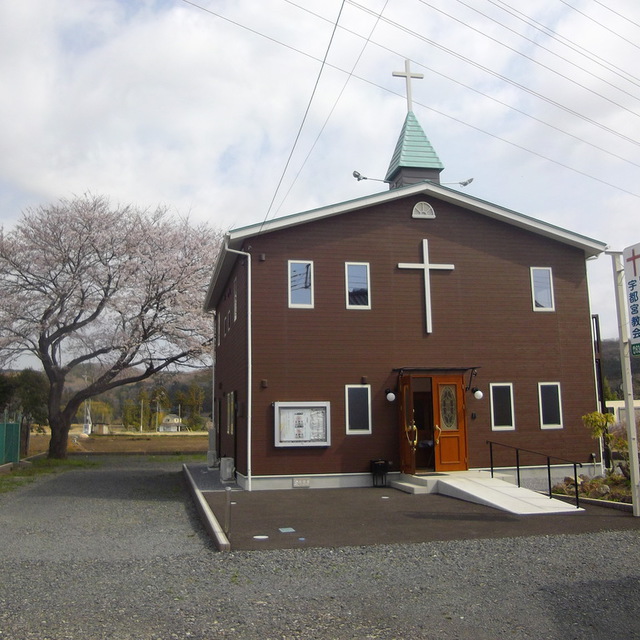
481,488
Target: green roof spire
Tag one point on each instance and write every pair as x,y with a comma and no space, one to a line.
414,159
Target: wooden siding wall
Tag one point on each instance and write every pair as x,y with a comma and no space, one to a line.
231,367
482,316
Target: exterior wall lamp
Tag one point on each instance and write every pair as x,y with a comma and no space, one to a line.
390,395
477,394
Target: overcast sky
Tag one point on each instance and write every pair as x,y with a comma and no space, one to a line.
198,105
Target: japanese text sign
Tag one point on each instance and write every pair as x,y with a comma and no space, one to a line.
631,257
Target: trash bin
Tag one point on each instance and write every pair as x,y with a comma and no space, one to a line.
379,469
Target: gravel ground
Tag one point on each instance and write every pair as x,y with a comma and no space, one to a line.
117,552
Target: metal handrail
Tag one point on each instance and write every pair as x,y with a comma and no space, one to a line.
538,453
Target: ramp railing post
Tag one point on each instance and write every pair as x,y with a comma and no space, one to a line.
491,457
575,481
227,511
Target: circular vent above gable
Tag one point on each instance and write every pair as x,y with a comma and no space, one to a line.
423,210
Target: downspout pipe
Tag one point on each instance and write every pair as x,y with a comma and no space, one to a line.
213,460
249,359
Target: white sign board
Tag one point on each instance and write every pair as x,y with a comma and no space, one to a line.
302,424
631,258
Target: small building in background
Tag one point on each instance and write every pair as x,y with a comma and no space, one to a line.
171,423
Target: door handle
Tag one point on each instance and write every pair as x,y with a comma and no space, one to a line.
439,431
413,442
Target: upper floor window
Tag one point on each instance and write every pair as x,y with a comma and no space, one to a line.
550,405
301,284
502,415
357,285
542,289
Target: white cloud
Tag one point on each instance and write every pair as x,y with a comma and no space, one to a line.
159,101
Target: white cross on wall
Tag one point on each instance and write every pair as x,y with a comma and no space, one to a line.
426,268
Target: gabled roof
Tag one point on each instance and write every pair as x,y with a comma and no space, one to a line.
413,149
236,238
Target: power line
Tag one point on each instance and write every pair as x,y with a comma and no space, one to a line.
566,42
465,86
602,26
535,153
306,113
495,74
502,77
602,4
537,44
344,86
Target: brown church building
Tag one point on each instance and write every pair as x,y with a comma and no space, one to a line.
410,326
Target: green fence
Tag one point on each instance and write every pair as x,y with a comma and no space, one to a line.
9,442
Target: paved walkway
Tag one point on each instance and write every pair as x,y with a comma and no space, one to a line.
352,517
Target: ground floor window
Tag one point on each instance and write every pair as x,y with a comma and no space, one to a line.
231,412
502,414
550,405
358,408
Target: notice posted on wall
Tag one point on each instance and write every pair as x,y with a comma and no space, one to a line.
302,424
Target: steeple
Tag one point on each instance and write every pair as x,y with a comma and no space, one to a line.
414,159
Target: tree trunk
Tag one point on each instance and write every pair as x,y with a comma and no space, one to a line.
25,434
59,436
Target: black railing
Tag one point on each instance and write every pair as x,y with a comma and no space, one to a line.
544,455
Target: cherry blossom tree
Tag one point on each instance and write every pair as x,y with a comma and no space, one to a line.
83,281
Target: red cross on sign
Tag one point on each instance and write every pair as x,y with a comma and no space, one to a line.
632,259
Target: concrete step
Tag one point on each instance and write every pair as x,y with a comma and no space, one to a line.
411,487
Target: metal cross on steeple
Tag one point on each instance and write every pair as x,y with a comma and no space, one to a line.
408,75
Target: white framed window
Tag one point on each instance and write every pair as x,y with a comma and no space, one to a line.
301,284
226,322
542,289
502,413
231,412
357,287
358,408
550,403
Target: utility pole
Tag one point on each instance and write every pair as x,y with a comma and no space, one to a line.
627,380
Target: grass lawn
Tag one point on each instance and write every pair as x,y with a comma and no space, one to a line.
19,476
128,442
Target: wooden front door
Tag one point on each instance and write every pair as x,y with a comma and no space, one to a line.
408,430
449,424
432,423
